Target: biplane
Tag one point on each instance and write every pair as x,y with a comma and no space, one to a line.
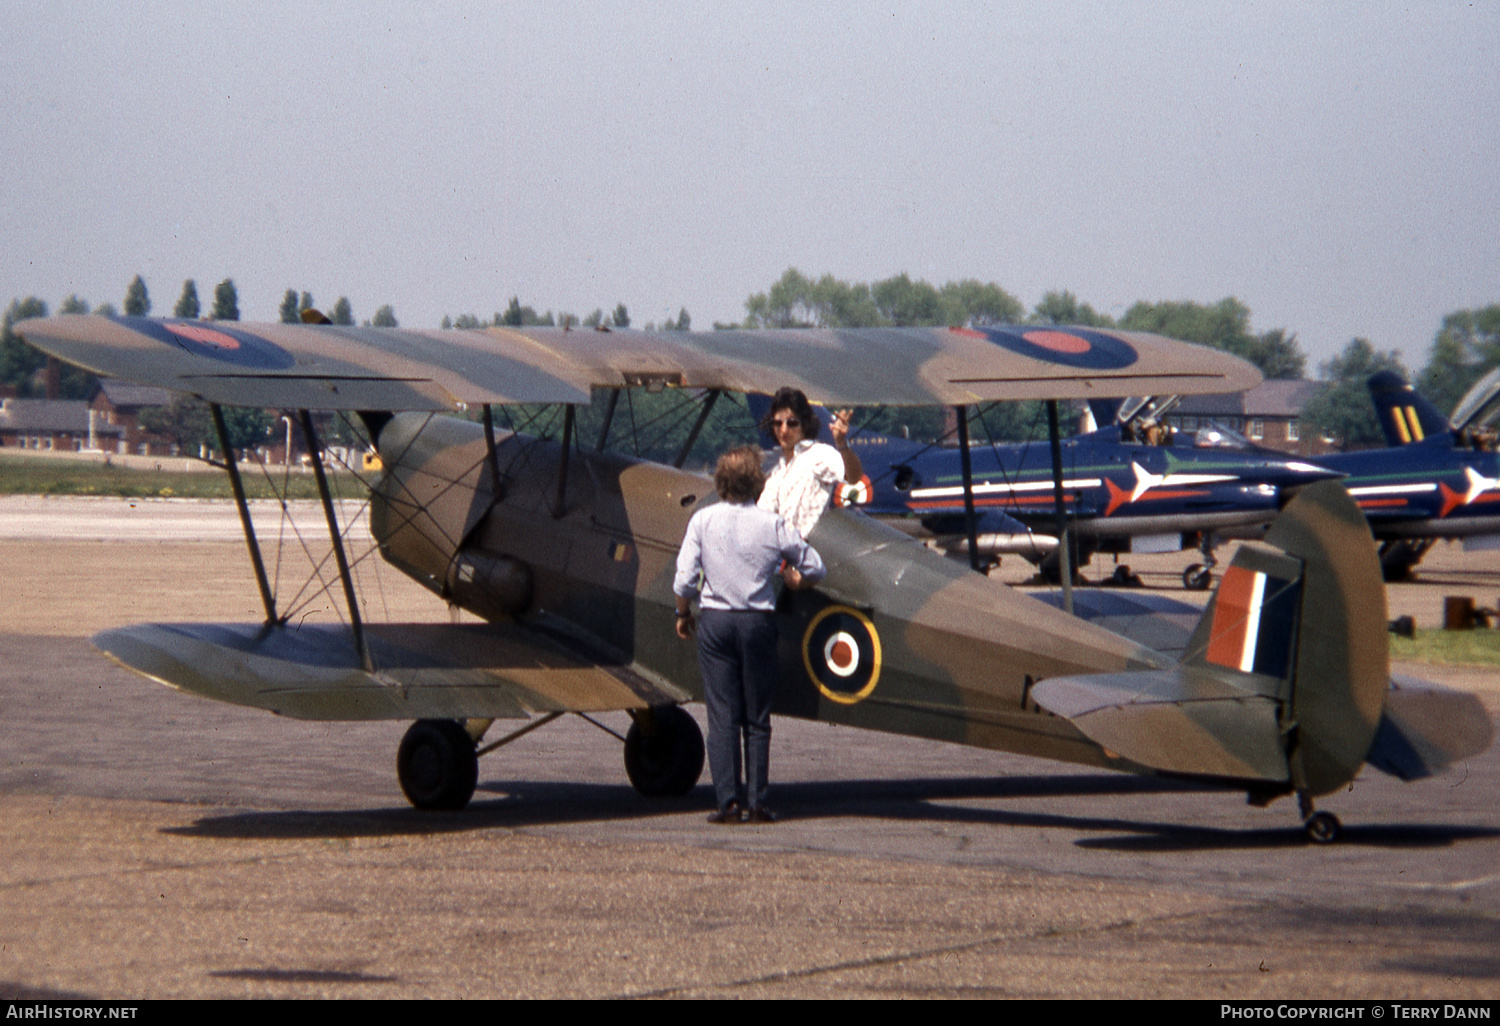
567,554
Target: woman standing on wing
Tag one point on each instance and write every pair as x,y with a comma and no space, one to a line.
803,481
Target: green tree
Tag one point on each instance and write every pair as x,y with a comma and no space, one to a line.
385,317
1064,308
305,303
621,316
1277,354
1224,325
980,303
288,309
226,302
1465,347
19,362
188,307
1343,411
789,303
137,299
906,303
683,323
342,313
73,305
185,421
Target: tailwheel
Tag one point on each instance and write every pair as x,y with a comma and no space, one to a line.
1197,577
437,765
1323,828
663,752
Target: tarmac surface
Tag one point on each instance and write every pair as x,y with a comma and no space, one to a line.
159,845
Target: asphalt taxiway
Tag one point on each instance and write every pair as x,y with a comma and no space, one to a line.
159,845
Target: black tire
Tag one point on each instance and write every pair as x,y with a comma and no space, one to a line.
1197,577
437,765
1323,828
664,752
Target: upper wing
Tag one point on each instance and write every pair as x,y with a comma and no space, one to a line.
325,367
422,671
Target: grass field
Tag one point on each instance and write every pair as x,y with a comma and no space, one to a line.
1454,648
39,475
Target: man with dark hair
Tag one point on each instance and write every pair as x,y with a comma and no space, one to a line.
729,558
803,481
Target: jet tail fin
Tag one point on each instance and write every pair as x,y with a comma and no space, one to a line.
1405,415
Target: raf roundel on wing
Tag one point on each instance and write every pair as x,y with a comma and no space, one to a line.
213,339
1070,347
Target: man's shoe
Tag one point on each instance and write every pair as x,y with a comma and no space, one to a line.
729,815
760,815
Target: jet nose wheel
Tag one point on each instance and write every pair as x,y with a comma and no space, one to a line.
437,765
664,752
1197,577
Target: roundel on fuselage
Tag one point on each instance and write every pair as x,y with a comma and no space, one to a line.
1070,347
841,651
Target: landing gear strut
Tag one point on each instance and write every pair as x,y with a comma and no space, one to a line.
1199,576
437,765
1320,827
663,752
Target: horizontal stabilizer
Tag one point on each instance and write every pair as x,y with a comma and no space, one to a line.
1427,728
422,671
1187,720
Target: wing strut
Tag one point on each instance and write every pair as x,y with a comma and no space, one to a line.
970,523
266,598
609,418
316,450
1064,556
490,452
708,407
562,470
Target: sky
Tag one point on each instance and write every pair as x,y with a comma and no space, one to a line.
1335,166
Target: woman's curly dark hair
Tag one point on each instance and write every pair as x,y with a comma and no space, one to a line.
738,477
792,399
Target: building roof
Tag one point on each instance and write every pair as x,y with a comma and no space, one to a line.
45,416
127,394
1279,398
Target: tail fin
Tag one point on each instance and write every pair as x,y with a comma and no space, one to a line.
1405,416
1313,618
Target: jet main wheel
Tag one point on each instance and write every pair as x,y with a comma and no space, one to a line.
437,765
1197,577
664,752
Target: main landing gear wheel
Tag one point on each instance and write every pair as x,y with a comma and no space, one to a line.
664,752
1323,828
1197,577
437,765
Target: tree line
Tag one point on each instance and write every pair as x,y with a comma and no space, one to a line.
1466,345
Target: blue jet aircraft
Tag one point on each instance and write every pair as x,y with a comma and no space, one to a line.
1437,479
1133,486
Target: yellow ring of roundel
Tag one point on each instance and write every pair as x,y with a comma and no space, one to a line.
812,675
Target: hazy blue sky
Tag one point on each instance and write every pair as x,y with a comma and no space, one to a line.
1334,165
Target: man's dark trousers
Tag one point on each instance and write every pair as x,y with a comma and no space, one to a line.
737,655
